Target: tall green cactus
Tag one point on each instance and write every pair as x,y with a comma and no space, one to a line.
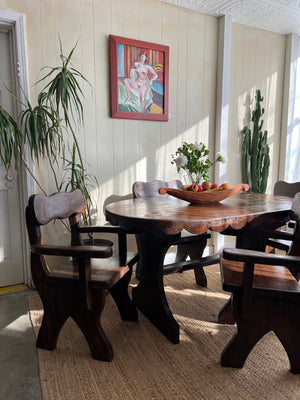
255,151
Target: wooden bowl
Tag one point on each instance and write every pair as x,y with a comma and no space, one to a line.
204,197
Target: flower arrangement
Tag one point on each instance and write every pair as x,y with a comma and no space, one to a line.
193,158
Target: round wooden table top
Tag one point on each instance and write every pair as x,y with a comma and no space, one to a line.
172,215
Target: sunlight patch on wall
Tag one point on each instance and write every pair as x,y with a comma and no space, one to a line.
245,102
270,123
167,171
270,106
198,132
119,187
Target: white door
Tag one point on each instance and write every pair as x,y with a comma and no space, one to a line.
11,259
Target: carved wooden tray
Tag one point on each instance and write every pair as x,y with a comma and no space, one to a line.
204,197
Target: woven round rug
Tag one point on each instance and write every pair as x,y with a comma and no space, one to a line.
147,366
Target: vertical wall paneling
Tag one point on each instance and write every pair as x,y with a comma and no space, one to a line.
132,161
85,48
120,151
222,106
182,77
117,14
195,79
170,19
256,63
104,124
209,77
150,31
274,113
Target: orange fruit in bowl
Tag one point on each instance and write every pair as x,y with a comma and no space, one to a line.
225,186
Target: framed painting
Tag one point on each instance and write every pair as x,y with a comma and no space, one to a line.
139,79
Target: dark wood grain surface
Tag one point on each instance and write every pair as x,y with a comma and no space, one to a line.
157,223
173,215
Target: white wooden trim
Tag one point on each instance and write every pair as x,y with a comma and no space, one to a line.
223,80
15,21
290,145
222,106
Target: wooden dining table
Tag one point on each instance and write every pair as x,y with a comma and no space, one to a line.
158,222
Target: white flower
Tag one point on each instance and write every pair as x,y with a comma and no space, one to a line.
197,146
181,161
221,157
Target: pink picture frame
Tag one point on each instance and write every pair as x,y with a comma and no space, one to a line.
139,79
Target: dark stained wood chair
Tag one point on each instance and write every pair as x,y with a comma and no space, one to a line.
75,287
188,245
281,239
265,297
287,189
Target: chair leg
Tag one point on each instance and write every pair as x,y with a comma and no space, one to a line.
55,315
181,253
237,350
138,269
195,252
288,331
50,330
89,323
251,327
120,295
200,276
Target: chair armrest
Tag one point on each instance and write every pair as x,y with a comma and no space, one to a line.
282,235
101,228
73,251
122,239
258,257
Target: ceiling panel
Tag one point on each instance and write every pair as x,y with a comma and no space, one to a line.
281,16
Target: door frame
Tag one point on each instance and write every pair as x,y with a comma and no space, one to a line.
15,22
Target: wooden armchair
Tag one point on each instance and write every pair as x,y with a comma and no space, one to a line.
188,245
282,239
78,285
265,297
283,188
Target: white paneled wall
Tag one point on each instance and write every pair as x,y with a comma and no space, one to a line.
257,62
122,151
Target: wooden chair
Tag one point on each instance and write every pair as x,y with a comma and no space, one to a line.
281,239
78,285
283,188
188,244
265,297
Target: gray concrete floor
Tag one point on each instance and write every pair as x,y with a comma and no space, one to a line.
19,372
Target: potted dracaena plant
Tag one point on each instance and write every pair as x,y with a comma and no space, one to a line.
42,127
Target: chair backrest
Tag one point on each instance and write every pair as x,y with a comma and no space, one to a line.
151,189
283,188
114,198
43,209
295,245
296,207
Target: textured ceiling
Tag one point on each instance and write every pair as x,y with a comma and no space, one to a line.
281,16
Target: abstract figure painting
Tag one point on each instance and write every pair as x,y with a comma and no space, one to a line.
139,79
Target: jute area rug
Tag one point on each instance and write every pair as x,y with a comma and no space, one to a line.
147,366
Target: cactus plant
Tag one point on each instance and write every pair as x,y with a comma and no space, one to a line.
255,151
